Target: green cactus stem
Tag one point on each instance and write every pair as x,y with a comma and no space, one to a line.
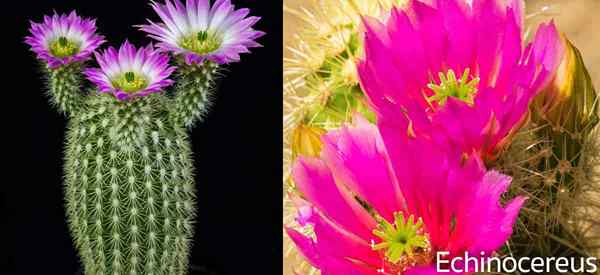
193,93
129,187
554,162
64,88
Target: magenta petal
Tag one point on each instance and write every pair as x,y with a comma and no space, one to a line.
358,159
489,22
485,217
333,247
510,54
315,181
386,86
306,246
435,43
458,21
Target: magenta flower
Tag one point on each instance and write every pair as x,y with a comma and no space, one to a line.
200,32
459,66
131,72
63,39
380,208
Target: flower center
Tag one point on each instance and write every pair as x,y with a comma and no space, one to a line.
130,82
404,243
63,47
463,89
202,42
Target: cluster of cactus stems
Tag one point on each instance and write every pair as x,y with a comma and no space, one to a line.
553,159
129,174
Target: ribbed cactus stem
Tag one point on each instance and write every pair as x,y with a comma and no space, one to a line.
193,93
64,88
555,169
129,187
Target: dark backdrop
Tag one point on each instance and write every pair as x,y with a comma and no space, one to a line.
237,149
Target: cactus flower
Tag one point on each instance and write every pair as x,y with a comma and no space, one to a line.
64,39
388,208
131,72
570,101
459,66
200,32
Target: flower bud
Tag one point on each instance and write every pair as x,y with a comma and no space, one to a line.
306,141
569,101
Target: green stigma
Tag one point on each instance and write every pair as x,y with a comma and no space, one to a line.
130,82
401,238
462,89
63,47
201,43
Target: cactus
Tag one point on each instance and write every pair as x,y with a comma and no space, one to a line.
554,161
129,175
553,158
129,187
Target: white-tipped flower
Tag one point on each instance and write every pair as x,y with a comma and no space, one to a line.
199,31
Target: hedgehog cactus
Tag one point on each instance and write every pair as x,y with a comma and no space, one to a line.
129,182
322,86
553,157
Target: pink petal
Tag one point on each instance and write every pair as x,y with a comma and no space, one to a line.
489,17
335,249
315,181
358,160
485,218
458,22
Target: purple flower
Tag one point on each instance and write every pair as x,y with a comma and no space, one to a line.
131,72
63,39
200,32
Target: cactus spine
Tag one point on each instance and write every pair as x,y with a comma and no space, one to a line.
554,162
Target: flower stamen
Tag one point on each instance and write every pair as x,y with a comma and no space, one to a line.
462,89
405,242
63,47
130,82
201,43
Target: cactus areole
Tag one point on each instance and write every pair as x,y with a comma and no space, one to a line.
129,181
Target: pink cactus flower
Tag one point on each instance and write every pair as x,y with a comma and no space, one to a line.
380,207
459,66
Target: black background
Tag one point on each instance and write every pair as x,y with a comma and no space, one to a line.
237,149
